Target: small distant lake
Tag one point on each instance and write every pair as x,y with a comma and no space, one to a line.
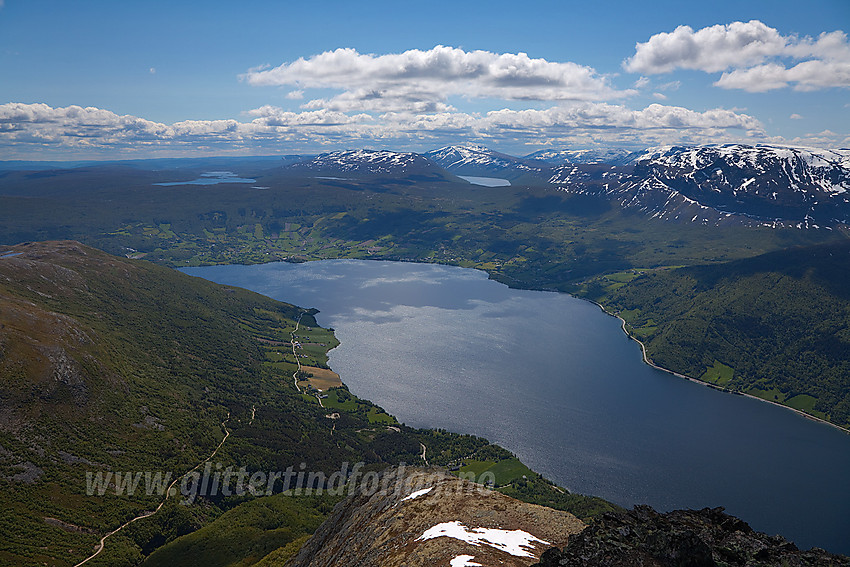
556,381
211,178
486,181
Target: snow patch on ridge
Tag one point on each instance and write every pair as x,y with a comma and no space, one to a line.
456,158
364,161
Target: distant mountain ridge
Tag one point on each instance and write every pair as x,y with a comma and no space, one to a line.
472,159
610,156
711,184
371,162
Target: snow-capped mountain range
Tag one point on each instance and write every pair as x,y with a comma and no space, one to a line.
764,182
369,162
610,156
579,173
801,169
708,184
472,159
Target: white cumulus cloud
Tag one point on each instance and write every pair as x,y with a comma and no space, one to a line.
806,76
752,56
422,80
709,49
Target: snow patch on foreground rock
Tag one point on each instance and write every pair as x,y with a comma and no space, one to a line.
418,493
464,561
514,542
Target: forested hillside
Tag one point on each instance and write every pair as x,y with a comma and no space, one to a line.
776,326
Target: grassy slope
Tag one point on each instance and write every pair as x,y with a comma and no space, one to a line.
247,533
111,364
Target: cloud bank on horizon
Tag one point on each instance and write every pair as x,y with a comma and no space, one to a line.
418,99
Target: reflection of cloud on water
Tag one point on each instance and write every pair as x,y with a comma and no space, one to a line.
392,280
418,273
396,314
497,309
301,280
304,276
426,325
376,317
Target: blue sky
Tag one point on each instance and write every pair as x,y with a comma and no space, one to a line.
251,77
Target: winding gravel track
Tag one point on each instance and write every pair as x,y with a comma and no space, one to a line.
171,491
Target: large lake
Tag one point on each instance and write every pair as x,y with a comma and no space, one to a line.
556,381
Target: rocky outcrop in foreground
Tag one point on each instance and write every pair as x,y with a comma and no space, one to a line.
426,517
682,538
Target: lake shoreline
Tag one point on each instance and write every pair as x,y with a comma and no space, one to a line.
649,362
